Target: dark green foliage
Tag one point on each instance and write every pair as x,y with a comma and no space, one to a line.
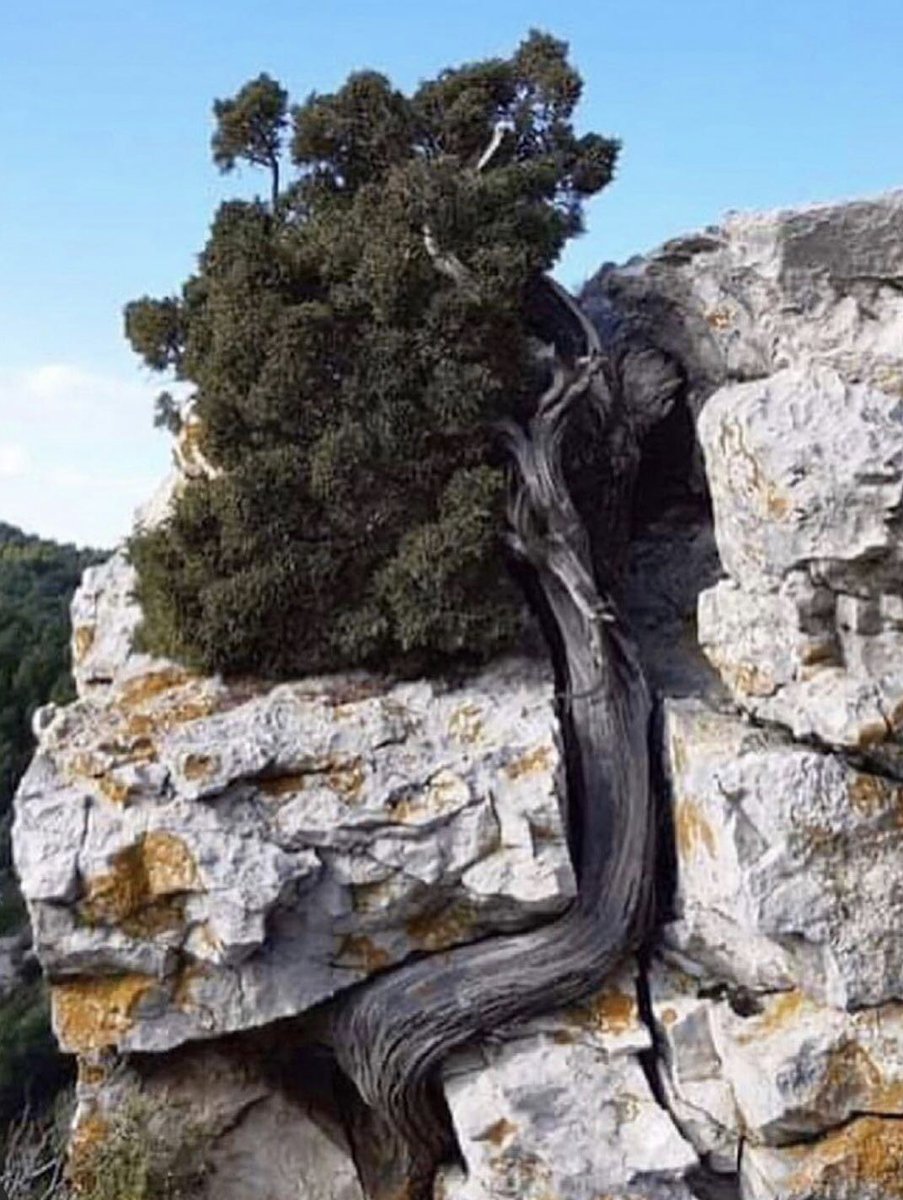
347,390
37,579
250,127
32,1070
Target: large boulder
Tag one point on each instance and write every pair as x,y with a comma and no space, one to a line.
200,857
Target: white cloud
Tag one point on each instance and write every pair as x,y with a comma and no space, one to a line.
13,459
92,452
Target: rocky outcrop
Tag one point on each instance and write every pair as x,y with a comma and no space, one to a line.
210,865
201,858
775,992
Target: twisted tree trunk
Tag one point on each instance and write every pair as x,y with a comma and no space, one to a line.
392,1035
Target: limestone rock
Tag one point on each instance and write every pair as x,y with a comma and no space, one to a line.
218,1123
860,1161
200,858
806,477
798,1068
105,619
788,862
564,1109
203,859
690,1068
788,331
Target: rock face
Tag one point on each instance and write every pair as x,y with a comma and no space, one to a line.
202,858
775,992
207,865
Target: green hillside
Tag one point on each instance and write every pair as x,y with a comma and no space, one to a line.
37,579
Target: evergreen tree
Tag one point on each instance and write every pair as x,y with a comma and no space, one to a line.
347,386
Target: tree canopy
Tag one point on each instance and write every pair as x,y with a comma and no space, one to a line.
348,381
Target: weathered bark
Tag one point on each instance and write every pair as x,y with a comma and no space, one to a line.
392,1035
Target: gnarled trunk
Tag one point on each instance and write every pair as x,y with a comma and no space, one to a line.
392,1034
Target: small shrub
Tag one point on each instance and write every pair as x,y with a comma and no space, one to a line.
132,1161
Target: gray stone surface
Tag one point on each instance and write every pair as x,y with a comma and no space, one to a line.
200,858
788,328
564,1109
788,862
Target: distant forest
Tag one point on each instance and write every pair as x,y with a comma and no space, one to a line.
37,579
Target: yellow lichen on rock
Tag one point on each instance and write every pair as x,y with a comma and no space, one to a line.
82,641
347,778
532,763
199,766
89,1014
608,1012
137,692
466,724
693,831
498,1132
143,891
866,1155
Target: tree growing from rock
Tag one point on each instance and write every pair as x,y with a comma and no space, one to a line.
349,376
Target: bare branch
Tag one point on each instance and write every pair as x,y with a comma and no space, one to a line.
448,264
498,135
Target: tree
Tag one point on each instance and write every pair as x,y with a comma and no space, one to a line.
347,387
250,126
389,388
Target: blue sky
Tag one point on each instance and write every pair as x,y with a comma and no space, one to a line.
108,185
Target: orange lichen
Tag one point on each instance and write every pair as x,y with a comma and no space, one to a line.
115,790
854,1076
669,1016
136,693
438,930
867,1153
466,725
89,1014
141,892
92,1073
82,641
498,1132
347,778
443,793
749,679
531,763
609,1012
693,830
817,653
199,766
719,318
751,481
281,785
871,795
362,953
780,1011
